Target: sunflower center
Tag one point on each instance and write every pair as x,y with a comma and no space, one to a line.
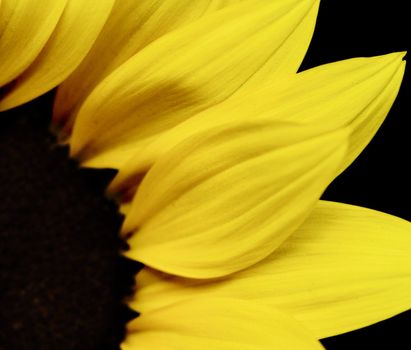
62,280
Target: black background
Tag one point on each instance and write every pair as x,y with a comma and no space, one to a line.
380,177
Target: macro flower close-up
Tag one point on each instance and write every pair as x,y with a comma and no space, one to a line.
166,169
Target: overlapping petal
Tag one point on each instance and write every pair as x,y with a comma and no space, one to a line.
25,27
187,71
357,93
225,198
346,267
132,26
226,187
220,324
72,38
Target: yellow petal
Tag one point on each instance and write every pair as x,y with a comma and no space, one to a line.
72,38
25,27
226,198
132,25
186,71
346,267
357,93
124,208
218,324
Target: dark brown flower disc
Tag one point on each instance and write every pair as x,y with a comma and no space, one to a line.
62,278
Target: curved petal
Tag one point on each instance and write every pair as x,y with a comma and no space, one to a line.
226,198
346,267
72,38
356,93
132,25
185,72
359,94
25,27
219,324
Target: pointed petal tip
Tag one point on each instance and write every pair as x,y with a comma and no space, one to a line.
403,54
396,56
391,57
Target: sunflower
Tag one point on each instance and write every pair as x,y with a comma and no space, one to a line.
222,151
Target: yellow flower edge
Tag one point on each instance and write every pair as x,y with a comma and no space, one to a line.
181,98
